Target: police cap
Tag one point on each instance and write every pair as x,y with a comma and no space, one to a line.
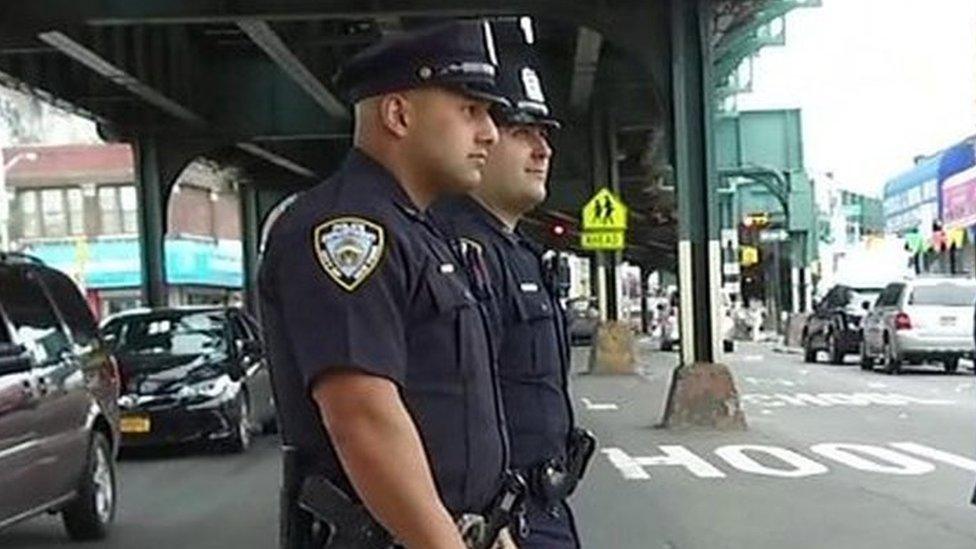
458,54
518,77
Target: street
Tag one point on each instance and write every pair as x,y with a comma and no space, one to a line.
834,456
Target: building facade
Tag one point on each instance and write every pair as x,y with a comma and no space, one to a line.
75,208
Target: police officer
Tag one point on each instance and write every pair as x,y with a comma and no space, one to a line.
534,352
379,352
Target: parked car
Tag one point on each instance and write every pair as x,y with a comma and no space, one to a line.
190,375
835,324
921,320
583,317
58,413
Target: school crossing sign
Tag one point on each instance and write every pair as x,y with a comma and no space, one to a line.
604,222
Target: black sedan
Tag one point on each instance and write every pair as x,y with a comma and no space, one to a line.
190,375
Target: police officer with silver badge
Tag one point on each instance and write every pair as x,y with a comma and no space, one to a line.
380,354
534,351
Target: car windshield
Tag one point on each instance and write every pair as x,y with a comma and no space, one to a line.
176,334
946,294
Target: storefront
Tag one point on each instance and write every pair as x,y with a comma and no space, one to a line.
198,270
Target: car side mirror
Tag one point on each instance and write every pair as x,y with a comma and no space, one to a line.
14,358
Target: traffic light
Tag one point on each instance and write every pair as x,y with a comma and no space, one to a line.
756,220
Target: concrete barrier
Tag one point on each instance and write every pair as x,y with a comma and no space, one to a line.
794,329
613,349
703,395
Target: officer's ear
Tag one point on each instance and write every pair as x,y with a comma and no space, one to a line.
394,111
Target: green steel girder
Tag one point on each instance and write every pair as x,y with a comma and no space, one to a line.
771,179
748,38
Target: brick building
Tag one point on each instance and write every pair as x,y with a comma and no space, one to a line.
75,207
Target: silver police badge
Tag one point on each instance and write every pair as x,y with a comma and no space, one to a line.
349,249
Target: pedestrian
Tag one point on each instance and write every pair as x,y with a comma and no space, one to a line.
533,344
379,351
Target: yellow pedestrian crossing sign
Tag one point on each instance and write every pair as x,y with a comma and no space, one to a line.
605,212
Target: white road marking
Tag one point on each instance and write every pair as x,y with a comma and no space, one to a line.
860,457
767,381
766,412
629,469
963,386
903,415
937,455
825,400
682,457
804,372
752,358
897,464
799,466
598,406
877,385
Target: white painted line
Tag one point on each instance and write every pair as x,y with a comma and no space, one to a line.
963,386
804,372
903,415
766,412
937,455
799,466
826,400
629,468
598,406
752,358
897,464
682,457
877,385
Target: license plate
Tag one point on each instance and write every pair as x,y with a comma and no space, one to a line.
135,424
947,321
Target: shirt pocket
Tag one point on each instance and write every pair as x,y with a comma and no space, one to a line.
536,322
458,322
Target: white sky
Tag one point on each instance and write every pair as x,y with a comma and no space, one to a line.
879,82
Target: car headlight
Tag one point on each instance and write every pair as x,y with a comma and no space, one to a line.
211,388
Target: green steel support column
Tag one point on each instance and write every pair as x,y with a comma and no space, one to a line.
250,239
614,259
698,235
599,178
152,220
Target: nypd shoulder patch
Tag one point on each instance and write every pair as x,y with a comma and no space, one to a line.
349,249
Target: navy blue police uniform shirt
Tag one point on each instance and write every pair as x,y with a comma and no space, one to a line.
355,277
530,328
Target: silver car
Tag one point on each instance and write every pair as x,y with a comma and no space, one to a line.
920,320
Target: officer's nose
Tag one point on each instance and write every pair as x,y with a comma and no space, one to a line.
487,131
541,148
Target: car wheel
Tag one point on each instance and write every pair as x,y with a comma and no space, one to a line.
89,515
240,441
867,362
809,353
951,364
833,349
892,361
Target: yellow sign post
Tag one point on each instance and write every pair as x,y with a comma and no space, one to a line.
604,222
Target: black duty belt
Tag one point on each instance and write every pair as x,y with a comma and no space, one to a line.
342,523
555,479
